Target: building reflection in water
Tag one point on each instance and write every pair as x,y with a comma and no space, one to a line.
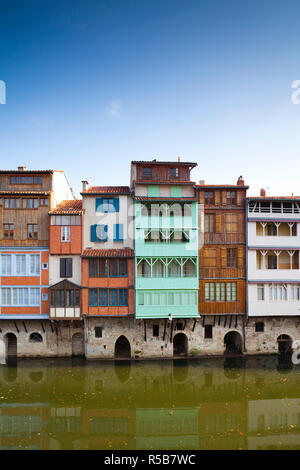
207,404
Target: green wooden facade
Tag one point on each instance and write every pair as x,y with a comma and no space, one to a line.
166,256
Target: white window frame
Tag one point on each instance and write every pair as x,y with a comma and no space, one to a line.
65,233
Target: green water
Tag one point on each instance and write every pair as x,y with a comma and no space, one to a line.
220,403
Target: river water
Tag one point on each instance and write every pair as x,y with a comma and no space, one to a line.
215,403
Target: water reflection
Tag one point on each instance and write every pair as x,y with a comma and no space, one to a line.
219,403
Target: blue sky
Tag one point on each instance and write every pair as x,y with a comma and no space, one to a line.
92,85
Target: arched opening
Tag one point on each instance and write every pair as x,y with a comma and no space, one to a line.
11,345
122,348
180,345
78,344
284,344
233,342
35,338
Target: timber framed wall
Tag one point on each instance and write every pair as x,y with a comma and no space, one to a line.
222,258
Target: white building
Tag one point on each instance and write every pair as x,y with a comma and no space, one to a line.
273,256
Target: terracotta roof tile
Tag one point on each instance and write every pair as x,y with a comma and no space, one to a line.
68,207
277,198
233,186
109,253
156,162
107,190
162,199
24,192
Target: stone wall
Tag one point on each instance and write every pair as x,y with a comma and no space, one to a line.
258,342
56,337
150,346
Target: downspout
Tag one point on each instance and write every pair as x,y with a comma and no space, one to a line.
246,268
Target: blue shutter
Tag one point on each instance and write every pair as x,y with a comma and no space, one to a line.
116,204
93,233
99,202
118,232
105,230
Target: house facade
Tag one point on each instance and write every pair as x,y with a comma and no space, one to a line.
273,272
222,265
26,196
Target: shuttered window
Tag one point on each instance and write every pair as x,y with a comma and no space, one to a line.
66,266
107,204
118,232
98,233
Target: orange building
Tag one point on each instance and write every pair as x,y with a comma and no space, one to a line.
25,199
66,227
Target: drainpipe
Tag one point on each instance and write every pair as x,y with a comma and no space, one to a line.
246,268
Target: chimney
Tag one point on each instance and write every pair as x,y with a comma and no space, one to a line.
85,185
21,168
262,192
178,159
240,181
202,182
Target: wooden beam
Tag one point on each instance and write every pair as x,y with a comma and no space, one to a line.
165,329
230,321
194,325
25,327
171,331
43,328
16,326
225,321
145,331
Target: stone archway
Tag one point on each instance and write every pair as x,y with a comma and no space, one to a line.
11,345
285,344
180,345
233,342
122,348
78,344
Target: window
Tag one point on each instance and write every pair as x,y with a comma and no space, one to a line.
98,233
118,232
259,327
65,220
174,172
8,231
6,264
209,197
34,264
66,266
271,230
65,298
277,292
35,338
231,223
220,291
272,261
155,330
105,297
98,267
37,180
21,264
107,204
231,198
147,173
231,257
295,293
9,203
32,231
44,202
98,331
20,296
208,330
65,233
260,292
209,223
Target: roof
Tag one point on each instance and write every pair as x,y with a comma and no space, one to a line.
155,162
220,186
109,253
276,198
68,207
162,199
107,190
172,181
24,192
26,171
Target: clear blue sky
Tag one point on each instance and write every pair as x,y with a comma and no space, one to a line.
94,84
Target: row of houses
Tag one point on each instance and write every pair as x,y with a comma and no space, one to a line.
162,267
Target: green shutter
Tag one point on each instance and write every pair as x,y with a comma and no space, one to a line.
176,191
153,191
